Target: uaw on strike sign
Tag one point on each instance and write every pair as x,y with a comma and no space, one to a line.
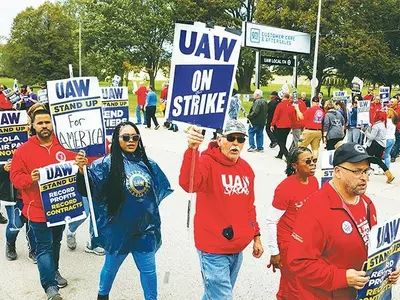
383,259
203,67
58,190
115,107
13,132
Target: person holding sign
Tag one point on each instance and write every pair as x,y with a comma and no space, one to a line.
289,197
39,151
331,233
127,189
225,221
376,143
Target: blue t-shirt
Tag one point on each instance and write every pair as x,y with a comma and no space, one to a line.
151,99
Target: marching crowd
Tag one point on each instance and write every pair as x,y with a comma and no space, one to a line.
317,236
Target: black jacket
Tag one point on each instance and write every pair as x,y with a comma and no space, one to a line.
271,109
5,186
258,113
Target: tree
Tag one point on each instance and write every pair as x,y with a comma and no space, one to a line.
40,46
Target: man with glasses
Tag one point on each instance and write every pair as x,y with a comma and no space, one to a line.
225,220
331,232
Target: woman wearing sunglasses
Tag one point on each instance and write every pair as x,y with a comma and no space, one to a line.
289,197
127,189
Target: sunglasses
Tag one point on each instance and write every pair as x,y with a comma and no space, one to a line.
231,138
309,161
127,137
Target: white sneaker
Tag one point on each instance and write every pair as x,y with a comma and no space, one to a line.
96,250
378,171
71,240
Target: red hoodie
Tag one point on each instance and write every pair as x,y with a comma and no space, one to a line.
141,95
326,242
225,197
374,107
4,102
283,115
29,156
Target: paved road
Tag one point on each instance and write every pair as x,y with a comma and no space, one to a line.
178,268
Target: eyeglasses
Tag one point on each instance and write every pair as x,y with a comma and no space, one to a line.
231,138
127,137
358,173
308,161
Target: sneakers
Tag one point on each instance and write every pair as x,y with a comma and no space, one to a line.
273,145
71,240
251,149
378,171
32,257
3,220
61,281
156,128
52,293
260,150
96,250
11,254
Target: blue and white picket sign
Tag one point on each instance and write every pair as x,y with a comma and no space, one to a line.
76,109
384,94
12,96
356,85
327,166
203,69
115,81
383,259
42,96
13,132
15,85
60,198
363,107
115,107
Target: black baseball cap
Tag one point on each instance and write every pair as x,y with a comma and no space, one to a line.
351,152
274,93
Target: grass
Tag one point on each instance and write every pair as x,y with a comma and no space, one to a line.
132,98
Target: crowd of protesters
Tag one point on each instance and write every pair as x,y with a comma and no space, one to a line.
314,257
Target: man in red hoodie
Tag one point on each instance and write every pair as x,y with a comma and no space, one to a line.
225,220
141,93
331,233
39,151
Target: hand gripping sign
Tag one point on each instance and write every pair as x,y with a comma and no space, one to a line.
383,259
76,109
60,198
115,107
203,68
13,132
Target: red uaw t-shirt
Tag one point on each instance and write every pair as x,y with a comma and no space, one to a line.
313,118
359,213
290,195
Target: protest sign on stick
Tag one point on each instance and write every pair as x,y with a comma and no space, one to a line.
203,69
13,132
60,198
363,107
327,166
115,107
76,109
12,96
383,259
384,94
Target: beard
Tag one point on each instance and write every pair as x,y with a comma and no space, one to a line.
44,134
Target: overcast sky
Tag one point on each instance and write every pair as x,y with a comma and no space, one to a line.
10,8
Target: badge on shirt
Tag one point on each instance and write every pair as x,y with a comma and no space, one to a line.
347,228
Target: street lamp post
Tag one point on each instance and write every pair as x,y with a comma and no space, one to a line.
80,48
314,80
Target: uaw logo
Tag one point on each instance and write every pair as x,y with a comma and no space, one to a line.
254,35
60,156
359,148
235,184
138,184
318,116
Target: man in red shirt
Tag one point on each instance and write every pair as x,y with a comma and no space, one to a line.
298,122
312,133
282,123
330,236
141,93
225,225
370,95
39,151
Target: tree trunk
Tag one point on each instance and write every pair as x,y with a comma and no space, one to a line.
152,77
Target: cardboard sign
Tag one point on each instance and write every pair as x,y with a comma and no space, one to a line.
384,94
327,166
115,107
13,132
12,96
363,107
203,69
42,96
383,258
76,109
60,198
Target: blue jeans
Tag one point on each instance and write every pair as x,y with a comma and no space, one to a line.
396,146
146,264
258,132
353,135
48,244
219,273
15,223
94,241
138,116
389,146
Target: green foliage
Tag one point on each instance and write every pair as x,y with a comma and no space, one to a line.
41,44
